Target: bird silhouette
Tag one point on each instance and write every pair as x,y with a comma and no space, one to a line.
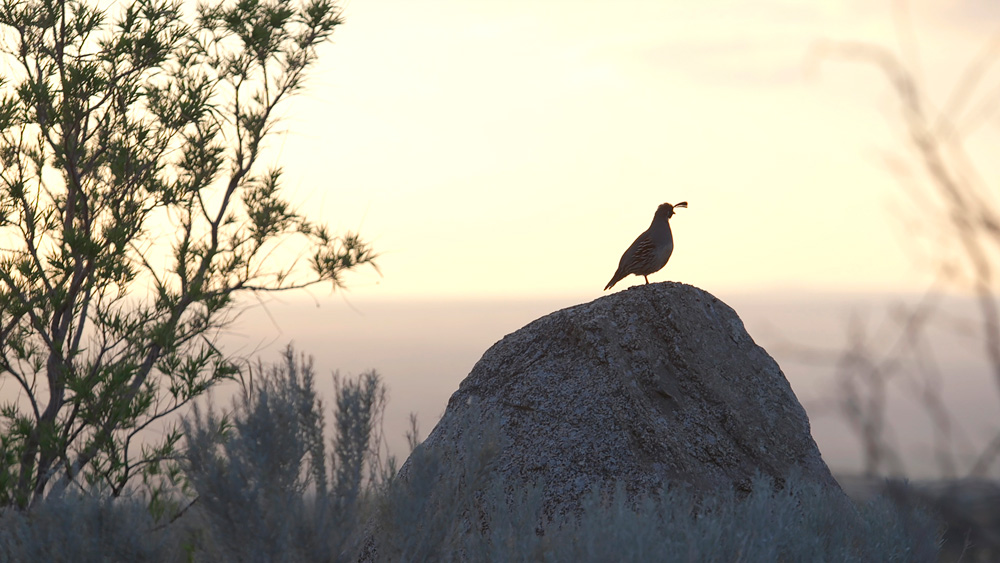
650,252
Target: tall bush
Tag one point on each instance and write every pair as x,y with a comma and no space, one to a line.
134,209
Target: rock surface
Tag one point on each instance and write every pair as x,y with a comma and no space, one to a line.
655,385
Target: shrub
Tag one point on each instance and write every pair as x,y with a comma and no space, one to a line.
76,527
264,492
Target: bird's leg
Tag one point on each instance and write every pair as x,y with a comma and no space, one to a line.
647,280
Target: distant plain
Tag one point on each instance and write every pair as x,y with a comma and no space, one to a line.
424,348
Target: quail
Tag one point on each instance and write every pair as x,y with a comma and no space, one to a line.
651,250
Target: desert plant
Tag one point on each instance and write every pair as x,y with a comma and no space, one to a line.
478,516
264,489
949,204
86,526
799,522
950,209
423,512
133,211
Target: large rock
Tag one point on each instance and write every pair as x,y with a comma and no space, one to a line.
659,384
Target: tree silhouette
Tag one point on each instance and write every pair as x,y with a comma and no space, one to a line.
133,210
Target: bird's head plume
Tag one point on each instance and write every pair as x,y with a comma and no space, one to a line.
666,211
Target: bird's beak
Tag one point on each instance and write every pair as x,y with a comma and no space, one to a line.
682,204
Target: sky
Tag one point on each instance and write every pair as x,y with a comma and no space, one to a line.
516,148
502,154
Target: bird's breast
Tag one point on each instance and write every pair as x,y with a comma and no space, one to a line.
663,253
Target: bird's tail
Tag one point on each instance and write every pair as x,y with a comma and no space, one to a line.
614,279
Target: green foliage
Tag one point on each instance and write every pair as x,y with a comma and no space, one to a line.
132,213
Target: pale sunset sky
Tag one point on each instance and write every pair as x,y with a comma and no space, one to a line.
502,154
507,148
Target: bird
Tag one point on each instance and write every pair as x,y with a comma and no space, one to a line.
651,249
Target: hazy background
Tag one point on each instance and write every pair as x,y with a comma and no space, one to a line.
501,154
